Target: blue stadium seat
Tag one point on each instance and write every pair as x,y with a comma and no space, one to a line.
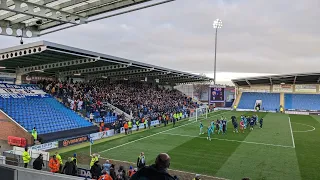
270,101
302,101
46,114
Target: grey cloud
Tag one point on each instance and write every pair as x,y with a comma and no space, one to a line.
258,36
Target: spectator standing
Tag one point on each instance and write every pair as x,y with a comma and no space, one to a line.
38,163
141,162
197,177
54,164
126,127
121,174
26,157
149,123
91,117
112,172
96,170
157,171
105,176
70,168
106,166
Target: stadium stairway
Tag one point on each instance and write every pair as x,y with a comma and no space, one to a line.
282,102
51,118
236,102
270,101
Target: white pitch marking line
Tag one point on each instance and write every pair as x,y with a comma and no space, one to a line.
313,128
168,169
153,135
294,146
231,140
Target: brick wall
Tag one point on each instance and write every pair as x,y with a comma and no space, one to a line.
9,128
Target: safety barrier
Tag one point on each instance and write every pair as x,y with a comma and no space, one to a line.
17,141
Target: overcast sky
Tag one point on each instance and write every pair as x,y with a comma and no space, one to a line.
258,36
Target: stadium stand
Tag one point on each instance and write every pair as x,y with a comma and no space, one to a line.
270,101
302,101
54,116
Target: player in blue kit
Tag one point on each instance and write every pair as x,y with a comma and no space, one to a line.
261,122
201,128
212,126
220,127
224,126
209,132
235,124
251,123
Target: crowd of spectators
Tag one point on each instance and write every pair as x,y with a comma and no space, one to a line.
141,100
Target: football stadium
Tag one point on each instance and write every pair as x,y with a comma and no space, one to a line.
69,113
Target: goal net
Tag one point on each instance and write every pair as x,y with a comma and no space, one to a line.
199,113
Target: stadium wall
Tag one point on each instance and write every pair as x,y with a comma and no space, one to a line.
19,173
281,88
11,128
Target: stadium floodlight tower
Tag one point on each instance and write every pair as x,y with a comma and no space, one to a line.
217,24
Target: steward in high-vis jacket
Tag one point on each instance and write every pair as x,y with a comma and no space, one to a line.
26,157
94,159
141,162
130,126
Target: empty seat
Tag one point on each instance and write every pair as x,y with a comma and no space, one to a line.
270,101
46,114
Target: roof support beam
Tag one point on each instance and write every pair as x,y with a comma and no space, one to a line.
59,6
120,73
95,8
93,70
11,3
44,12
270,79
142,75
295,79
43,67
248,82
15,28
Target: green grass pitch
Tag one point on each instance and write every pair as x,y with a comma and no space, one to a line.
277,151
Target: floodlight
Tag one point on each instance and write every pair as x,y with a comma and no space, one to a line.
217,24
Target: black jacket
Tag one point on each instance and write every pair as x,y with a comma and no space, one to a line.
70,168
96,171
38,164
151,173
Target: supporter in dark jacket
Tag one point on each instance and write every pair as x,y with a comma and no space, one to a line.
112,172
70,168
157,171
96,170
38,163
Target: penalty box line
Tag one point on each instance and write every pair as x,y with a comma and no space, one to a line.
203,175
231,140
154,134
